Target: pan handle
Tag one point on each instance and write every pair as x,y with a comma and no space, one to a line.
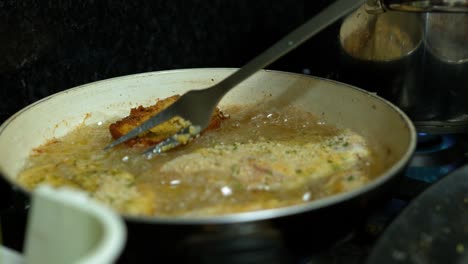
379,6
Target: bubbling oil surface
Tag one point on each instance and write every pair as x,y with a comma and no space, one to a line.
189,190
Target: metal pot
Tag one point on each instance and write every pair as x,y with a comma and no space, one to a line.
260,236
379,53
426,77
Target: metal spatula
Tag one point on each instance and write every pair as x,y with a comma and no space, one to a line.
197,106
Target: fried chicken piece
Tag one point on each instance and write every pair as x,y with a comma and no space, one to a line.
159,133
115,188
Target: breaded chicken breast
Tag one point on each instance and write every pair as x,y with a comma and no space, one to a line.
159,133
113,187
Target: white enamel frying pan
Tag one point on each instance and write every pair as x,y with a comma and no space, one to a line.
388,130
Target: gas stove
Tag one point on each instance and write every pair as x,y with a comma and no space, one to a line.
436,156
83,42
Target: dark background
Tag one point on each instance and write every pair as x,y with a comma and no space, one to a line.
49,46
